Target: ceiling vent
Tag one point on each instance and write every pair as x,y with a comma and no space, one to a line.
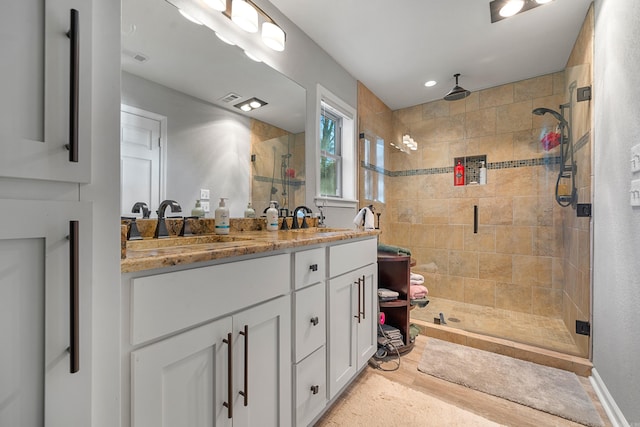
140,57
230,97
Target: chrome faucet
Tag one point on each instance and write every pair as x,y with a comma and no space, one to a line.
161,229
294,222
141,206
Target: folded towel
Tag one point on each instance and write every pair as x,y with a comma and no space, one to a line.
365,218
393,249
359,217
387,293
416,279
417,291
420,302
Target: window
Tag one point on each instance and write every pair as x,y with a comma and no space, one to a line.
330,153
374,179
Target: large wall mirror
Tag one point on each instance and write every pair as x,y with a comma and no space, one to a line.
181,129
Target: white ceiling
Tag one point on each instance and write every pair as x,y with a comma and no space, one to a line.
394,46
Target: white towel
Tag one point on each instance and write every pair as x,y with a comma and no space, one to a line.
367,214
416,279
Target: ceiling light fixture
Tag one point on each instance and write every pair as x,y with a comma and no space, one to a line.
251,56
219,5
224,39
250,104
244,15
189,17
502,9
430,83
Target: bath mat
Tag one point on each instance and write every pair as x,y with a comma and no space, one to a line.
375,401
547,389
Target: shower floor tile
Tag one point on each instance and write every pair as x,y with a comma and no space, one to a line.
516,326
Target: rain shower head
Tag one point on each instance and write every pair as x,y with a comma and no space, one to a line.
457,92
542,111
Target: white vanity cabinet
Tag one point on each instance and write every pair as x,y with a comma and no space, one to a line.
211,345
352,310
45,313
309,332
46,89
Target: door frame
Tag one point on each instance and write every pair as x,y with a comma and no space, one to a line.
163,142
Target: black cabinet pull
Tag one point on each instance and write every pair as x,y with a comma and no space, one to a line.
475,219
74,300
315,389
313,267
229,404
245,393
364,295
74,85
359,301
314,320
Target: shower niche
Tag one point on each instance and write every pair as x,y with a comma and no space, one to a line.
471,166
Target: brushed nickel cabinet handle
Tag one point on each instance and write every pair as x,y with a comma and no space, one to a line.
74,85
245,393
74,300
229,404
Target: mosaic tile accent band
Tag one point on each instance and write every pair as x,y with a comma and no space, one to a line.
292,182
543,161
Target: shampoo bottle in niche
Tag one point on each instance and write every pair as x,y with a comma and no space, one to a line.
249,212
458,174
197,211
272,217
482,176
222,218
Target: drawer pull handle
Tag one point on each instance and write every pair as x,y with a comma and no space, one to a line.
229,404
314,320
315,389
74,90
245,393
359,301
364,295
313,267
74,294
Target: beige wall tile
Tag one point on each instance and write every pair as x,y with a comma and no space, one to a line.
536,87
481,292
464,264
513,297
435,109
514,117
423,236
452,288
514,240
449,236
495,96
532,271
494,266
495,211
461,210
482,241
547,241
480,123
434,211
516,182
440,257
497,148
533,211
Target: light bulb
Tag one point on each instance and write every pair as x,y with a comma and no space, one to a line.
255,104
430,83
273,36
189,17
252,56
244,15
245,107
511,8
224,39
220,5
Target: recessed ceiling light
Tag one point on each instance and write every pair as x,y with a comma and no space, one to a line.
430,83
250,104
511,8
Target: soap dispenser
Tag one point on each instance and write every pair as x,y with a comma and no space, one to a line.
272,217
482,176
249,212
222,218
198,210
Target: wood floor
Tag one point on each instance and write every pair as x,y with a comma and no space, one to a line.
493,408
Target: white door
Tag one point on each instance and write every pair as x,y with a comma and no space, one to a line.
182,381
39,383
262,366
141,139
367,328
37,116
342,331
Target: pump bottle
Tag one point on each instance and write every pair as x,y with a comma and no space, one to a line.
482,176
249,212
222,218
458,174
272,217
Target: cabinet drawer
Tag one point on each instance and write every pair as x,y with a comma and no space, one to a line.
309,267
310,320
311,390
350,256
169,302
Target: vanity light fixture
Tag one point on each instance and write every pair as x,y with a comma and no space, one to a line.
251,56
501,9
247,15
409,142
250,104
224,39
189,17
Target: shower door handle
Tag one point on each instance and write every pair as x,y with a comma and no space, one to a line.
475,219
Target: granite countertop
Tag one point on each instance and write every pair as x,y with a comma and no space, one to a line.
158,253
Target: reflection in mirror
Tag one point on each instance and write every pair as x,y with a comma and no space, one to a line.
182,72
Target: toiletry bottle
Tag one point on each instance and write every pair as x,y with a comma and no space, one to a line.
482,177
197,211
222,218
249,212
458,174
272,217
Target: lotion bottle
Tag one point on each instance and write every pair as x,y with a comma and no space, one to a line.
197,211
482,176
272,217
222,218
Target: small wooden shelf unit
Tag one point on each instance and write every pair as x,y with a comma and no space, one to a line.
394,273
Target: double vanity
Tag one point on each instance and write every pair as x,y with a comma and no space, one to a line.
254,328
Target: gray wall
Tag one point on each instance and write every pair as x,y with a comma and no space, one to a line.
207,146
616,266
